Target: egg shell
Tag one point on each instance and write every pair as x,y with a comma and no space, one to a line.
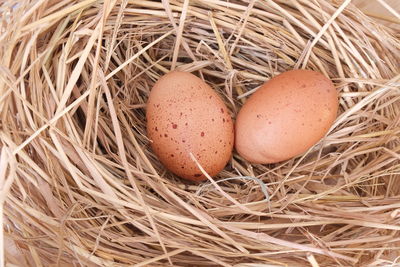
285,117
184,115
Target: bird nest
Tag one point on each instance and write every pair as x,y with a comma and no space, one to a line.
80,185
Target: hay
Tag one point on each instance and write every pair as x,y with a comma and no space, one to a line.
80,185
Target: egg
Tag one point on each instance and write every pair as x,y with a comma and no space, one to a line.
184,115
286,116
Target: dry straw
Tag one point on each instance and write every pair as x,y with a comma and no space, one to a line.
81,187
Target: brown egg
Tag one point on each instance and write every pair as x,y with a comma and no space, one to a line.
184,115
286,116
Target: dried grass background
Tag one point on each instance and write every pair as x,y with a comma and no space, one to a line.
80,185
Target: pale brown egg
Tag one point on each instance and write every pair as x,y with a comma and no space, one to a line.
184,115
286,116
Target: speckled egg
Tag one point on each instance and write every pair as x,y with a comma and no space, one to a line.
184,115
286,116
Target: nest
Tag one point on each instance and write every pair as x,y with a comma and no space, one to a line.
80,185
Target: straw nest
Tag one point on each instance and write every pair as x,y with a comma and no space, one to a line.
81,186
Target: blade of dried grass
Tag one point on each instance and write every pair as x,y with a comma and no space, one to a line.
390,9
221,44
165,4
312,260
266,238
323,30
179,33
242,27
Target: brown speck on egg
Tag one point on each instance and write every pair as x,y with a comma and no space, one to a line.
174,125
202,134
165,135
